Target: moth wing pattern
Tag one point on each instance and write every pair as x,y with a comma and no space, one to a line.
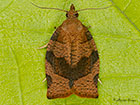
62,79
57,86
87,85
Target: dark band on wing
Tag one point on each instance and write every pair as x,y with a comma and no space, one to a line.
94,57
55,36
65,70
88,35
49,80
95,79
71,82
50,57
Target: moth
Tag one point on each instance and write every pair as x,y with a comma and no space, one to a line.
72,59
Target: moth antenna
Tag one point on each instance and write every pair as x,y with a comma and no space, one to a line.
94,8
48,8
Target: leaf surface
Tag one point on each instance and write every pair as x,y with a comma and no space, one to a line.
24,28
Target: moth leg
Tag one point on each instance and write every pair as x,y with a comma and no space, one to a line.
44,79
57,86
100,81
44,46
87,85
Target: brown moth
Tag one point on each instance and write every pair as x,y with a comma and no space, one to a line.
72,60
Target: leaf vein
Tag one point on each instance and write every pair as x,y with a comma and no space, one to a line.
133,24
20,87
127,5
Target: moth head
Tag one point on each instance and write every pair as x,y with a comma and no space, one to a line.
72,13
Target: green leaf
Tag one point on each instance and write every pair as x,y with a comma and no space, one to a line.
24,28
